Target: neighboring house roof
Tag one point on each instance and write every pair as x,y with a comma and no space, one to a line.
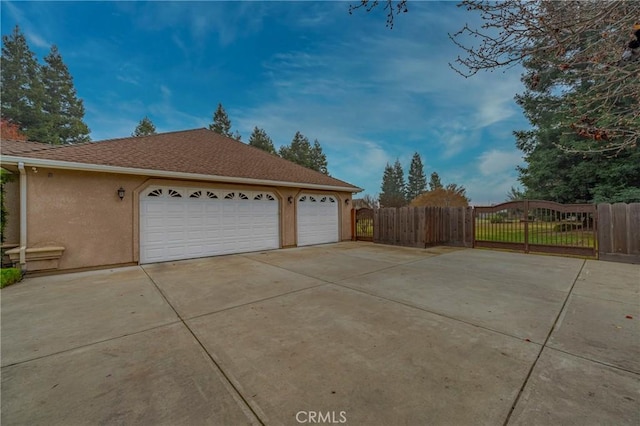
196,154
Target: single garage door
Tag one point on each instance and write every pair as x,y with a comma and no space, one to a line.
184,223
317,219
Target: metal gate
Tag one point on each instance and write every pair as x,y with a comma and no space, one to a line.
364,224
537,226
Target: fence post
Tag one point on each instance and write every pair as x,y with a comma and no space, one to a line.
353,224
526,226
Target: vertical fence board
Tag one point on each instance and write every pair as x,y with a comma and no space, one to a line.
470,227
619,232
424,226
634,229
605,227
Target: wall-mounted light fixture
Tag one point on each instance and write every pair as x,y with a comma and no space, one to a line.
290,199
121,193
346,201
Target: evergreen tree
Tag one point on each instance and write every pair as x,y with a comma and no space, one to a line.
401,185
261,140
387,191
393,186
64,110
144,128
299,151
21,90
318,159
434,182
553,173
417,179
222,124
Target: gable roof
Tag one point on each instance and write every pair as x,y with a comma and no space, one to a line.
15,147
194,154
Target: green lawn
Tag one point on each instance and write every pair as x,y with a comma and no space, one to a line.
364,229
540,232
9,276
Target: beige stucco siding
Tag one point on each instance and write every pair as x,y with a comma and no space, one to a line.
82,212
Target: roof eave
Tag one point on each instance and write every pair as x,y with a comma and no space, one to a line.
68,165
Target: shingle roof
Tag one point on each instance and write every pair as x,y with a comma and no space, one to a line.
13,147
198,151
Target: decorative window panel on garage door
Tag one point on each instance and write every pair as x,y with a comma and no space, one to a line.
317,217
183,223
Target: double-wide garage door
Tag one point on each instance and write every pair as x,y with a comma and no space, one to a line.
183,223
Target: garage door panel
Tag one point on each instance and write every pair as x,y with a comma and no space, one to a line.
317,218
198,224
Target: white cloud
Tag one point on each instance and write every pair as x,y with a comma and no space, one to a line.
37,39
497,161
26,26
128,79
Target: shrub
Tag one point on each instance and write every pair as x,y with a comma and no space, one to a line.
497,218
566,227
9,276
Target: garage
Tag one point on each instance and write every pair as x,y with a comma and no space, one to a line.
317,219
183,223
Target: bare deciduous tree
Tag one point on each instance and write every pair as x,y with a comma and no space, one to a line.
391,8
594,44
589,42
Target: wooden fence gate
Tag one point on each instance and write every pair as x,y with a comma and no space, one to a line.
364,224
537,226
423,226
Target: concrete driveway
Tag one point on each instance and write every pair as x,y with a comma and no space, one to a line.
349,333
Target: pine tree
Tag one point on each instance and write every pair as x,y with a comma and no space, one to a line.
434,182
222,124
299,151
318,159
400,182
417,179
387,191
21,89
393,186
144,128
64,110
261,140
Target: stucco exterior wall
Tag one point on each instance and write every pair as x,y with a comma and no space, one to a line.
82,212
12,203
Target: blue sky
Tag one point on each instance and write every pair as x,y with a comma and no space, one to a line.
369,94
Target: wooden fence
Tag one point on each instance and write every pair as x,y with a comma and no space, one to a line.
617,239
424,226
619,232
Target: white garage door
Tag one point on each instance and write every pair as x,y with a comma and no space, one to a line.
317,219
184,223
